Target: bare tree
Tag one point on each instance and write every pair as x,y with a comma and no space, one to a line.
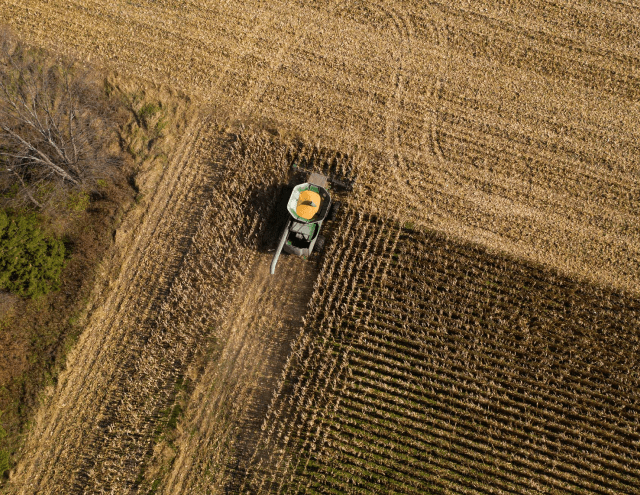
53,127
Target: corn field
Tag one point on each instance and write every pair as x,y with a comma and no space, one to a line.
428,365
423,363
473,324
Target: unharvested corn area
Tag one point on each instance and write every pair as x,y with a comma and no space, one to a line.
429,365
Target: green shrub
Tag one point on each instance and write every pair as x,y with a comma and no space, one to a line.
78,201
5,461
30,263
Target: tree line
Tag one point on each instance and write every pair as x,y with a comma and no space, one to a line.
56,127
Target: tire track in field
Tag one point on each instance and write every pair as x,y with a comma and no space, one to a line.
429,139
384,17
405,31
430,136
427,103
401,52
262,20
67,439
227,406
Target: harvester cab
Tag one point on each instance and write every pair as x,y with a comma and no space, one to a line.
307,207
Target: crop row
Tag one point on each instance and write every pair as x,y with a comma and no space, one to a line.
173,333
439,388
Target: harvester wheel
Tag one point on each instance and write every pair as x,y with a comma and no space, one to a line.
335,208
319,247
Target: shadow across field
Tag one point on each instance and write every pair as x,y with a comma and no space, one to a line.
437,364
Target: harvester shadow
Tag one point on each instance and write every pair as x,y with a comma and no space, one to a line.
276,218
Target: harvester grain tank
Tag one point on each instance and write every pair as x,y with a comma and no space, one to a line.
307,207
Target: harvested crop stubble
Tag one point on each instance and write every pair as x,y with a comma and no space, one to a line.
251,341
431,365
175,286
513,125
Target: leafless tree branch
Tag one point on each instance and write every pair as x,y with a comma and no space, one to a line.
50,128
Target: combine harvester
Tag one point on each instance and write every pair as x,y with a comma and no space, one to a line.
308,206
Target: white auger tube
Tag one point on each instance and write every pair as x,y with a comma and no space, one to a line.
283,239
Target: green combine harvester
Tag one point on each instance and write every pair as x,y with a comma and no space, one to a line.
308,207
